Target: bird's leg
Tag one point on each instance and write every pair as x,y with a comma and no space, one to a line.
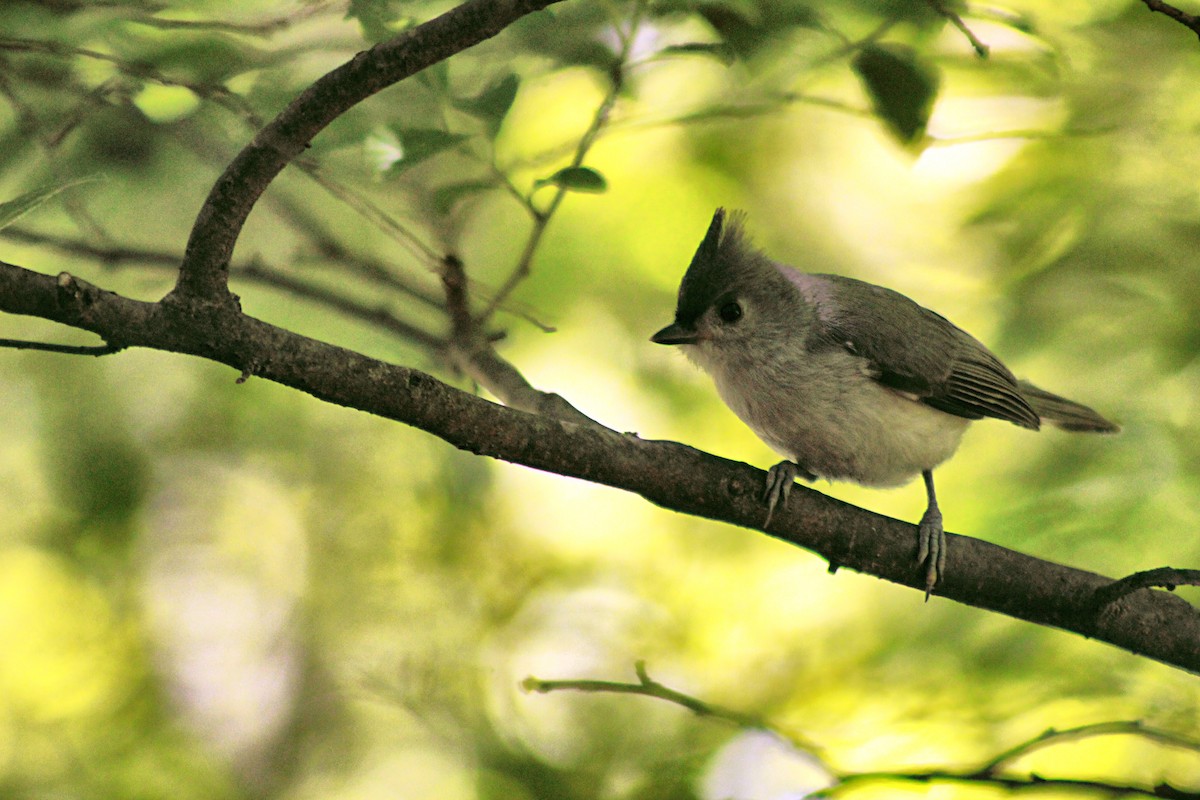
931,538
779,484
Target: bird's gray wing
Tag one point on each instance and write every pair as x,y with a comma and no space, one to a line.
911,349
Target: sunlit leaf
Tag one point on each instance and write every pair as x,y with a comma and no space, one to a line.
577,179
902,88
18,207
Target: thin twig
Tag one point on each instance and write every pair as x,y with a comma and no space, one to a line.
1053,736
950,14
1013,783
373,213
376,315
541,219
772,104
1165,577
69,349
849,47
472,352
208,91
256,270
1191,21
648,687
988,774
454,281
267,27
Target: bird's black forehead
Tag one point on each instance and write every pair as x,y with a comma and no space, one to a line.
712,269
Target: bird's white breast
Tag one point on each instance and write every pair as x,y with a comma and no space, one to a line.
829,416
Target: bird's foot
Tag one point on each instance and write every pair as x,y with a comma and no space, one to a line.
931,547
779,485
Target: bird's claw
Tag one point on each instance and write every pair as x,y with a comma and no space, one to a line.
779,485
931,547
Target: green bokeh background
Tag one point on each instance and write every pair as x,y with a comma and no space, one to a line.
222,590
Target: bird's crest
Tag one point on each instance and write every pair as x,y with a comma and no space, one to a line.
723,257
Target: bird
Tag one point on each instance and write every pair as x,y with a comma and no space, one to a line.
845,379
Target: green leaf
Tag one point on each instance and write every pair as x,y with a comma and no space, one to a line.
902,88
18,207
436,77
493,103
739,31
542,33
719,50
378,18
576,179
445,198
418,144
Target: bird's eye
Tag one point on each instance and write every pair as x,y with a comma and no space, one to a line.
730,312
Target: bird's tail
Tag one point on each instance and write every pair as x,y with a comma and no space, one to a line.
1064,413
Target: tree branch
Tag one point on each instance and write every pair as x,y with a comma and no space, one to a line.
472,352
648,687
1157,625
1191,21
989,773
1166,577
204,273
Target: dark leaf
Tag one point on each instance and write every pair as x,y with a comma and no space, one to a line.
736,29
446,197
492,103
543,33
747,27
902,88
789,15
419,144
719,50
436,77
577,179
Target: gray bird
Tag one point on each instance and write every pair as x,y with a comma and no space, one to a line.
847,380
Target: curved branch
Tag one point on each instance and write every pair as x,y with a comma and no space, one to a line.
204,273
1157,625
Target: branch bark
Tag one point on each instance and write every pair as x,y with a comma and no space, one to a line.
203,276
1154,624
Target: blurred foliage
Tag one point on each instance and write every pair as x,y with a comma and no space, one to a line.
218,590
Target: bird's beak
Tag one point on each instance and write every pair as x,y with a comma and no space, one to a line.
675,334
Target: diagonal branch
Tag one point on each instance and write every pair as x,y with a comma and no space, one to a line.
1157,625
1190,21
204,273
472,352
